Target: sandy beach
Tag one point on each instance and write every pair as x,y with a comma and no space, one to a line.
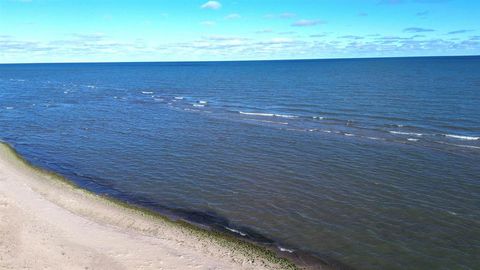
47,223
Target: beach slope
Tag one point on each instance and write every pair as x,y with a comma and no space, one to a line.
48,223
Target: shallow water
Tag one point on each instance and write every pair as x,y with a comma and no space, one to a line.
373,162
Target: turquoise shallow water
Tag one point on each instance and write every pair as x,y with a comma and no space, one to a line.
373,162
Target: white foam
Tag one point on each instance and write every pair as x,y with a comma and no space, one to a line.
198,105
459,145
268,114
147,92
267,121
349,134
91,86
467,146
412,140
467,138
373,138
452,213
202,102
285,249
236,231
191,110
178,98
257,114
286,116
318,117
405,133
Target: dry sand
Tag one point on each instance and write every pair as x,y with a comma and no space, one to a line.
46,223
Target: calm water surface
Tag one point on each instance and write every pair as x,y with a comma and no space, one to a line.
373,162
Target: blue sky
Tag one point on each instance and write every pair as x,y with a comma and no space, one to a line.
181,30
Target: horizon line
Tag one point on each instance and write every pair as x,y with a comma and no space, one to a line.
248,60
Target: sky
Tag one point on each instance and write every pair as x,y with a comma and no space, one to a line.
191,30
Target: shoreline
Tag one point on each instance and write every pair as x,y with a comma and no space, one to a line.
77,221
49,222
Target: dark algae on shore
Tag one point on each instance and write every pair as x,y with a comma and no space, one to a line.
371,162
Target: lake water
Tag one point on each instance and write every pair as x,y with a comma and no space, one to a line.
372,162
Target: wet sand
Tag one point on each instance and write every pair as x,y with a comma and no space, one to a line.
48,223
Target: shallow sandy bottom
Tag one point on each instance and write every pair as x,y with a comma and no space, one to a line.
46,223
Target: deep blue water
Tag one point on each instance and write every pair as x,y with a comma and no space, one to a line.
373,162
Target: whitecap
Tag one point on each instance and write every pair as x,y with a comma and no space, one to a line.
236,231
191,110
412,140
268,114
405,133
179,98
349,134
318,117
467,146
459,145
452,213
257,114
91,86
147,92
285,249
202,102
198,105
285,115
267,121
460,137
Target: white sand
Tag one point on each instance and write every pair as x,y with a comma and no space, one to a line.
48,224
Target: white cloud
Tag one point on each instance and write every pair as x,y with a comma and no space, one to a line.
302,23
211,5
264,31
224,38
97,46
280,40
233,16
284,15
208,23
